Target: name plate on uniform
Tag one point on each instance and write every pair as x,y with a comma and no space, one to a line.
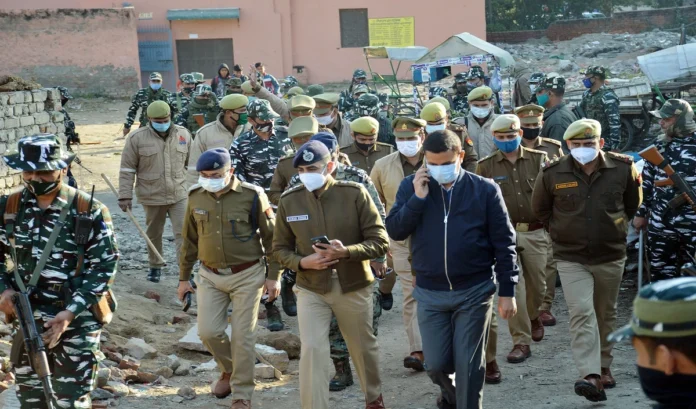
298,218
566,185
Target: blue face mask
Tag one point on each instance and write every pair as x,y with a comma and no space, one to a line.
587,82
444,174
155,86
508,146
161,127
542,99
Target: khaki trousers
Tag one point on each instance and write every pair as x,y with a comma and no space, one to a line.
402,267
550,277
156,217
591,293
235,355
529,291
353,312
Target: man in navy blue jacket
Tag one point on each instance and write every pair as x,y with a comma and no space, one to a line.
460,234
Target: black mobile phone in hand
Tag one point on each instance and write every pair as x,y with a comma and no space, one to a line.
321,239
187,301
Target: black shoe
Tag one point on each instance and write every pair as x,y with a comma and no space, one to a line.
287,296
387,301
443,404
275,323
154,275
343,377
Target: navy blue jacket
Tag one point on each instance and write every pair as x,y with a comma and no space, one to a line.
479,234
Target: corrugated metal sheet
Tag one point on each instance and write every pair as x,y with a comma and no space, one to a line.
203,14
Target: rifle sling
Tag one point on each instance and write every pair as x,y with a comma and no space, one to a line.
663,164
45,251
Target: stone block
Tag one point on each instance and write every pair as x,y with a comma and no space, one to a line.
3,135
16,98
41,118
57,116
60,127
27,97
4,96
279,359
27,121
35,130
11,123
7,111
9,181
51,128
11,135
32,108
3,148
19,110
52,94
40,106
39,95
264,371
53,105
2,123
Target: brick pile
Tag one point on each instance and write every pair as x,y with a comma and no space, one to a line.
25,113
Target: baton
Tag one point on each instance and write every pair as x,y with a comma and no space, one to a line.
137,225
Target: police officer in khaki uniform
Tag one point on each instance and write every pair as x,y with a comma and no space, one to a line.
299,132
331,278
387,175
480,118
531,118
515,168
435,114
157,155
365,150
231,123
227,226
587,199
327,115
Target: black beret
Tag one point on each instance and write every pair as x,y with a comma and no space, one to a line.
328,139
310,152
213,159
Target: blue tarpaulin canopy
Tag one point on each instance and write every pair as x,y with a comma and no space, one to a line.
203,14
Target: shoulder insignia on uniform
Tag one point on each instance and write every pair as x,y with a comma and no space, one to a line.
550,163
252,187
553,141
348,183
621,157
488,157
293,189
469,141
535,151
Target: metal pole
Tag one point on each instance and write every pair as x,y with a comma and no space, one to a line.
641,246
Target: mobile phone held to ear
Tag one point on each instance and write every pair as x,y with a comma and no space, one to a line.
321,239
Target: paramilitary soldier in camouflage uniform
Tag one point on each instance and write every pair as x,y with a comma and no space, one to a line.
255,155
435,114
181,99
63,296
73,138
339,349
558,116
460,103
143,98
368,105
346,100
670,231
602,104
204,103
234,86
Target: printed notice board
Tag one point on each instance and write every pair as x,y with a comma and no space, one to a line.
392,32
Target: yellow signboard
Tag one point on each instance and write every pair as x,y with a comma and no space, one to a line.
392,32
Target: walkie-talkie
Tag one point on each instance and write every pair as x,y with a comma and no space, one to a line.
83,223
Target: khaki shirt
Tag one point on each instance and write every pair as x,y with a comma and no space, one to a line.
159,164
211,136
470,155
588,215
220,231
342,211
281,178
364,161
406,166
516,180
552,148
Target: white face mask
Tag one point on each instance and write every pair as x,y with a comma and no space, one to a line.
432,128
408,148
313,181
584,155
325,120
213,185
480,112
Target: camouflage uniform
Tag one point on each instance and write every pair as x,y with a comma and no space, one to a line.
71,135
234,86
346,101
339,350
73,361
253,159
210,109
670,232
603,106
181,100
142,99
437,92
369,105
289,82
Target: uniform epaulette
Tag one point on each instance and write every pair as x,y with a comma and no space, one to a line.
535,151
553,141
289,156
621,157
386,145
251,186
293,189
550,163
348,183
487,157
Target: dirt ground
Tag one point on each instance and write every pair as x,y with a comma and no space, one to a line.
543,381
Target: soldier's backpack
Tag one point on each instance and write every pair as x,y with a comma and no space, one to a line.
103,310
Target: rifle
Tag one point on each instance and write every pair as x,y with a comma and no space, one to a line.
200,120
686,194
33,342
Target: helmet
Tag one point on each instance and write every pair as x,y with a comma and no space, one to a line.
64,94
437,92
290,82
367,105
536,78
203,89
187,78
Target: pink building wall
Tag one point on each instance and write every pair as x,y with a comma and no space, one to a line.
287,33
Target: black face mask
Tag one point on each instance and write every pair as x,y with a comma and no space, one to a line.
530,133
365,147
670,390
